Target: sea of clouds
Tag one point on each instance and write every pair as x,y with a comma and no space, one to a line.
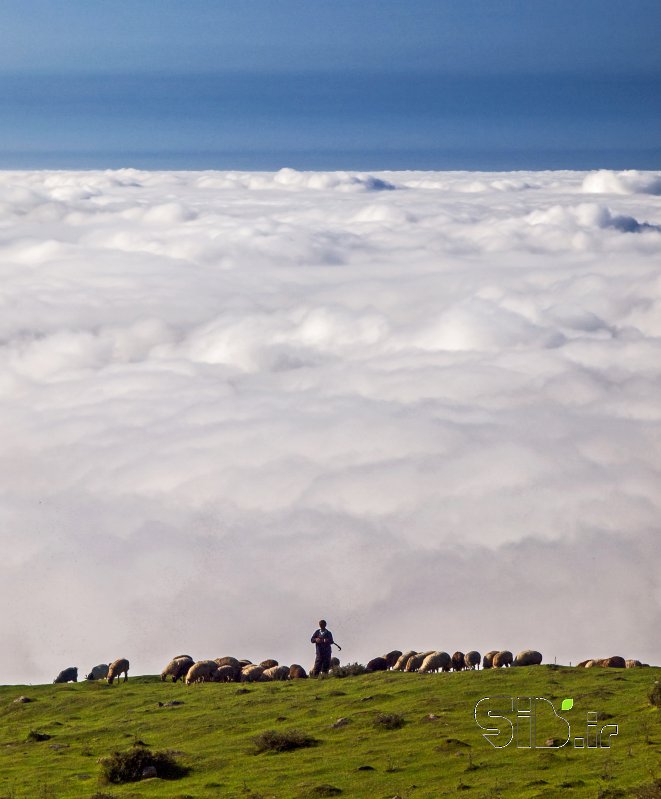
423,405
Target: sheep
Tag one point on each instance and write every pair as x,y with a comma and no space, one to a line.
297,672
392,657
232,664
503,658
472,659
415,661
403,660
228,661
334,662
615,662
177,668
268,664
377,664
487,660
590,663
436,661
632,664
117,668
529,657
67,675
99,672
224,674
269,673
583,664
252,673
201,671
458,661
276,673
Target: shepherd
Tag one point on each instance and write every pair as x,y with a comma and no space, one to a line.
323,640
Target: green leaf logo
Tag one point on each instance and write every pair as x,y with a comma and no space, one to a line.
567,704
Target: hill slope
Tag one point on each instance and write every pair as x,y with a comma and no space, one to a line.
438,751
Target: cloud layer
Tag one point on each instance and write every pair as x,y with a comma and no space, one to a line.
421,405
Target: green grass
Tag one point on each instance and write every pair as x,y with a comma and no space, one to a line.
439,750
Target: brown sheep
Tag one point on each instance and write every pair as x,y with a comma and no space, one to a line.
177,668
582,664
615,662
392,657
487,660
117,668
458,661
231,663
268,664
632,664
472,659
297,672
377,664
202,671
403,659
228,661
415,661
224,674
501,659
529,657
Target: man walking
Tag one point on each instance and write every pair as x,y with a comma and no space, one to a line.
323,640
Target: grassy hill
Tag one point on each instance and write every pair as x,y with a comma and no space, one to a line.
438,751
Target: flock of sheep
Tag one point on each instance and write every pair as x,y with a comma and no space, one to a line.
229,669
104,671
433,661
615,662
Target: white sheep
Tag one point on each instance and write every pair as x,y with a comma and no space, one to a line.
99,672
276,673
436,661
529,657
202,671
177,668
403,659
252,673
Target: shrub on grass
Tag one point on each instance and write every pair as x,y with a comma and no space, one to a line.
320,791
129,766
388,721
33,735
349,670
655,694
274,741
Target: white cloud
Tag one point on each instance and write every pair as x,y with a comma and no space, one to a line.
630,181
235,402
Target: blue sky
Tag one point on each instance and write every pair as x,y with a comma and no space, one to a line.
321,84
456,36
